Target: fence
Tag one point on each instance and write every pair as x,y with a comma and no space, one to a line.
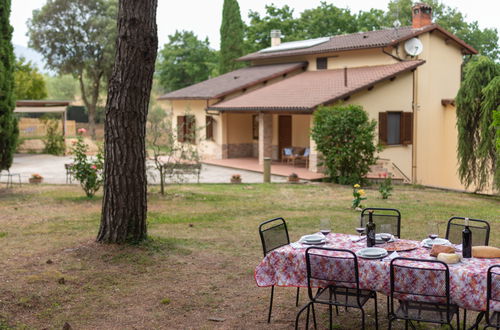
34,127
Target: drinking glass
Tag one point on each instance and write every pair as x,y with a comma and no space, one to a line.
433,230
325,226
360,231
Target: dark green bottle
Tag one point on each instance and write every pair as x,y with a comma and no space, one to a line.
370,230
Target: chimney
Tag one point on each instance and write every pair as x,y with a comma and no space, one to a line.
421,15
275,38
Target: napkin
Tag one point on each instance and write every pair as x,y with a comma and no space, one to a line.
296,245
391,256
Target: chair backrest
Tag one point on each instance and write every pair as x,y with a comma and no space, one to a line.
331,267
493,290
419,280
480,230
288,151
273,234
387,220
307,151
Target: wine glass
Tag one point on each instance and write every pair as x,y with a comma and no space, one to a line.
325,226
360,231
386,237
433,230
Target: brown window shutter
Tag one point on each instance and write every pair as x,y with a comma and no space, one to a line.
209,127
181,128
407,128
190,129
382,127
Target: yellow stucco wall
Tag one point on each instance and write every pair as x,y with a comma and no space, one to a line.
390,96
436,132
239,128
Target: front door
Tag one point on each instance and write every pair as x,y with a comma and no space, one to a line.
284,133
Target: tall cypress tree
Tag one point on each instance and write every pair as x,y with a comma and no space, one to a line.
8,123
231,37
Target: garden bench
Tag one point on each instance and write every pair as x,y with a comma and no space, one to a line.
183,168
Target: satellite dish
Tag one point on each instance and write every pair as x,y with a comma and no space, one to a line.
396,24
414,47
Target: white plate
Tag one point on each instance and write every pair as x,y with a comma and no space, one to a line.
430,242
372,252
313,238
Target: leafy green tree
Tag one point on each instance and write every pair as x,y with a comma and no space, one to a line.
326,20
77,37
29,82
185,60
345,136
496,125
8,123
371,20
61,87
476,100
257,34
231,37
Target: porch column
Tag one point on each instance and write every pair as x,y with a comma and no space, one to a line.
265,136
313,156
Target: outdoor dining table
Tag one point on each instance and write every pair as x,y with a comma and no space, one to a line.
286,267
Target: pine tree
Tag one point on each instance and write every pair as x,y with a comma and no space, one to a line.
476,102
231,37
8,123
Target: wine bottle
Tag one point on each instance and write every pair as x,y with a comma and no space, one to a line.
370,230
466,240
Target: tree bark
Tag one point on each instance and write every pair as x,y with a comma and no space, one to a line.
124,205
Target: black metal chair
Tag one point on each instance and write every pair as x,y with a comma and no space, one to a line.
493,298
274,234
480,230
422,291
387,220
335,273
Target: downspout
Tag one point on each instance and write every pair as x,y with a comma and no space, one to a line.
415,121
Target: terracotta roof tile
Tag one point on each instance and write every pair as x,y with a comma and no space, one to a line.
360,40
232,81
305,91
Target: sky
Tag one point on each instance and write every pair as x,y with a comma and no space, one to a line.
204,16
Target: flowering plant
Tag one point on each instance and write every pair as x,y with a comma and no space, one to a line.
359,195
36,176
87,170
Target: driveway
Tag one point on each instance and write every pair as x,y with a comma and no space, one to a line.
53,171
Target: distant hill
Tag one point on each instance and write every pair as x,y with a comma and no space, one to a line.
32,56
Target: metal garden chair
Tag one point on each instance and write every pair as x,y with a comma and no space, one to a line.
274,234
480,230
387,220
422,289
335,273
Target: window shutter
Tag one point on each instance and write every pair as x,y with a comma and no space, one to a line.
382,127
190,129
180,128
209,127
407,128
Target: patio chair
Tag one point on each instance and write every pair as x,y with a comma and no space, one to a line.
480,231
304,156
493,298
387,220
335,273
288,155
274,234
422,289
10,180
480,236
69,172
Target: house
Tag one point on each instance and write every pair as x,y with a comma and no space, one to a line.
406,78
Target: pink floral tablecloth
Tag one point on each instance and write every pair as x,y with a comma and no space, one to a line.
286,266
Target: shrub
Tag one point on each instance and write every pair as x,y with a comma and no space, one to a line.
345,136
385,187
87,170
53,140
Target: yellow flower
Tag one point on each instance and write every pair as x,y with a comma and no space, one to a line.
361,192
356,185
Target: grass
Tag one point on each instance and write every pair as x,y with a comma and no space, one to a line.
198,262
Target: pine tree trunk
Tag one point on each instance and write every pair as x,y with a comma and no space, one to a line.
124,205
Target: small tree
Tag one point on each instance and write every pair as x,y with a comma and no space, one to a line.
29,82
345,136
53,140
87,170
231,37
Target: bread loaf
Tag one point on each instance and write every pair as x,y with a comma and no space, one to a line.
437,249
485,252
449,258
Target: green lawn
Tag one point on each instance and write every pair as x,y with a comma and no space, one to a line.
199,263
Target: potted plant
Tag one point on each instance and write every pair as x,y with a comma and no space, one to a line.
36,178
293,178
236,178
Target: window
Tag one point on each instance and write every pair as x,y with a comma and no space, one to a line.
255,127
395,127
186,129
321,63
209,127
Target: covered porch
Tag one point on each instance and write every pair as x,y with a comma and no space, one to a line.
277,167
